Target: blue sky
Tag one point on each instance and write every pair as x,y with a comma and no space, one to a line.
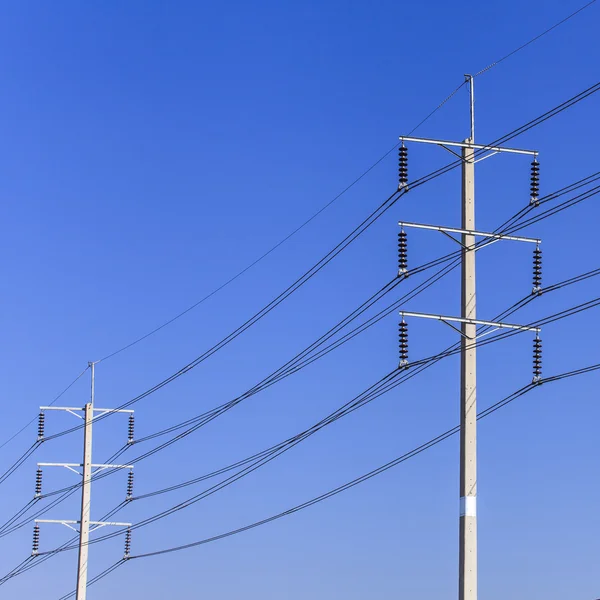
152,150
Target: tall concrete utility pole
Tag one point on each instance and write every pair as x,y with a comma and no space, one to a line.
86,496
471,153
467,579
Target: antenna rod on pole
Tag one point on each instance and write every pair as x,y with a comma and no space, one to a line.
469,78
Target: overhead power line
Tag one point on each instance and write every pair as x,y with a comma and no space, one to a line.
534,39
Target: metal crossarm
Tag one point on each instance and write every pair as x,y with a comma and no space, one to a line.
447,320
468,145
494,236
95,524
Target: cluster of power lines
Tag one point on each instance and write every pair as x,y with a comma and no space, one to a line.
399,290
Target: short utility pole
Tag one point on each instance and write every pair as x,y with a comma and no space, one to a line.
87,470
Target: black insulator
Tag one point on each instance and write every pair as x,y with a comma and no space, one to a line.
127,542
537,271
537,360
36,539
403,343
402,166
535,182
38,483
402,253
129,485
130,429
41,421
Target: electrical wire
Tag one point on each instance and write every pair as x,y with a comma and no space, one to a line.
19,461
97,578
532,40
56,399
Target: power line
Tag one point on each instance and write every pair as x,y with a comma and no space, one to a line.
10,439
537,37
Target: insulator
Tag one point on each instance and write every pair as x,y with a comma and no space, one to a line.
535,182
41,421
36,539
537,359
130,429
402,253
403,343
537,271
38,483
402,166
130,485
127,542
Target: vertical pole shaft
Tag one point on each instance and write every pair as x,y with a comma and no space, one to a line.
468,406
86,496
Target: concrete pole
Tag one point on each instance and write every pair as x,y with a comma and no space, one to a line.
86,496
468,405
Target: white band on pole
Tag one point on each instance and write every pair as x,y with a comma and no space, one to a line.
468,506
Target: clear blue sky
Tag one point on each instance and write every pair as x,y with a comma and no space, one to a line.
151,150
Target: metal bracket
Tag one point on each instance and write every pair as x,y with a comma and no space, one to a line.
468,337
452,152
454,239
